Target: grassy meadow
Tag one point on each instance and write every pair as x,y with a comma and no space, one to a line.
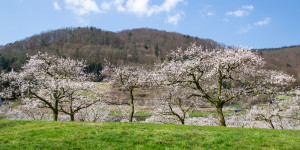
116,135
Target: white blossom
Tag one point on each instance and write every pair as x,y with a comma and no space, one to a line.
46,80
219,75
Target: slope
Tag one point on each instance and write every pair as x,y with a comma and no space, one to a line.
286,59
138,46
116,135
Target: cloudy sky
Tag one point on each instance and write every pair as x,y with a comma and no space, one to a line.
252,23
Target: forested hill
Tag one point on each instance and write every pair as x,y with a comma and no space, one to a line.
142,46
286,59
138,46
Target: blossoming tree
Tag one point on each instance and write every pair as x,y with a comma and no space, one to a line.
281,113
218,76
175,102
47,80
79,96
128,78
9,85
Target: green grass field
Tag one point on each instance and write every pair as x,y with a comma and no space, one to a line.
88,135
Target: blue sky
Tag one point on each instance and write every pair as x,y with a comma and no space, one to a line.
252,23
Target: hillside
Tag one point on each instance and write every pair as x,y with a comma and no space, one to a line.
285,58
116,135
138,46
142,46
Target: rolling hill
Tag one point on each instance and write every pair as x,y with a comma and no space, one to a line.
286,59
138,46
142,46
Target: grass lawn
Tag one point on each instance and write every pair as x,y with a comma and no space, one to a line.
88,135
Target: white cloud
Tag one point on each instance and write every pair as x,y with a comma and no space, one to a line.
245,29
169,4
106,5
143,8
137,7
241,12
174,19
82,7
263,22
237,13
140,7
249,27
56,6
248,7
118,4
210,13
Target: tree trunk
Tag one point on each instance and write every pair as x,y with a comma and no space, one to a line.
55,115
182,120
271,124
72,114
55,110
72,117
131,105
220,115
